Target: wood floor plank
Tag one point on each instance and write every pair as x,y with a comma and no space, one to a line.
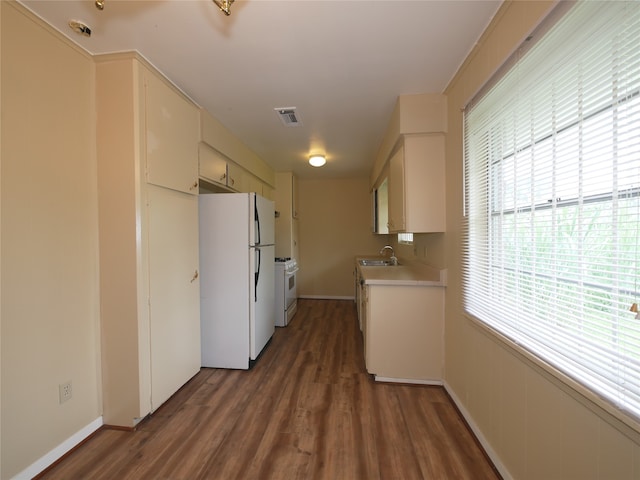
307,410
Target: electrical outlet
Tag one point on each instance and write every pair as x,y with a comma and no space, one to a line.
65,391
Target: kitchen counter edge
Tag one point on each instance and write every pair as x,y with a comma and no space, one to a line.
406,273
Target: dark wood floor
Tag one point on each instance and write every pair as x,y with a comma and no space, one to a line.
307,410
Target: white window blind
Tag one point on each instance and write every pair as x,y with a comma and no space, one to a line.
406,238
552,201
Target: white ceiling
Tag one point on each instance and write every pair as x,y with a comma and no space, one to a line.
342,63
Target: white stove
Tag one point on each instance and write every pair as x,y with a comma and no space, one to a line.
286,290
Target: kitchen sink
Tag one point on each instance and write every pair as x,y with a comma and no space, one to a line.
372,262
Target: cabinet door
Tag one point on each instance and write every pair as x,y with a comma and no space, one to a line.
365,312
213,166
362,305
381,208
424,190
404,332
172,126
174,291
396,197
236,178
294,196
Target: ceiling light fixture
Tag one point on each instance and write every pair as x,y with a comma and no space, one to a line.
224,5
317,160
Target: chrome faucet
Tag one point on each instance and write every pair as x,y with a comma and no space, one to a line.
393,258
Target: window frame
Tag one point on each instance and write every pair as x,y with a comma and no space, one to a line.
510,337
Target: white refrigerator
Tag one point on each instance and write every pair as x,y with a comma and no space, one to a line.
237,296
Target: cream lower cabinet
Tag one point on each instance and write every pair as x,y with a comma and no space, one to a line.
360,297
148,227
403,332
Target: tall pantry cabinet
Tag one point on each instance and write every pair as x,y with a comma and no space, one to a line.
286,226
147,149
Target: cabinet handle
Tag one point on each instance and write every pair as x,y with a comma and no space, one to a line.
195,276
194,186
233,182
223,176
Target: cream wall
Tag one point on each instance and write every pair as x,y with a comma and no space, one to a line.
427,248
0,242
536,427
334,225
50,313
50,308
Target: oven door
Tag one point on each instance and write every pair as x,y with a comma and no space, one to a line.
291,293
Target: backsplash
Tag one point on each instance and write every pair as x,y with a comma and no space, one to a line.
427,248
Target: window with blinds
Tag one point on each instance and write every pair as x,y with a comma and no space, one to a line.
552,200
405,238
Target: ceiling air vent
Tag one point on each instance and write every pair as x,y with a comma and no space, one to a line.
288,116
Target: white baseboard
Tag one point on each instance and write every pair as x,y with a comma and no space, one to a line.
478,433
326,297
407,380
47,460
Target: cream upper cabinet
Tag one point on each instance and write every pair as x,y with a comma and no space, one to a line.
217,169
412,151
237,178
396,192
416,185
380,206
243,170
213,165
172,130
148,226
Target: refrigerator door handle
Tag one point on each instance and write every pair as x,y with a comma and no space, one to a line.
257,273
257,220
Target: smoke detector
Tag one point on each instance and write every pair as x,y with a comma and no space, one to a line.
288,116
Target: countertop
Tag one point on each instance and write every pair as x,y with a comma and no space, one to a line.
406,273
